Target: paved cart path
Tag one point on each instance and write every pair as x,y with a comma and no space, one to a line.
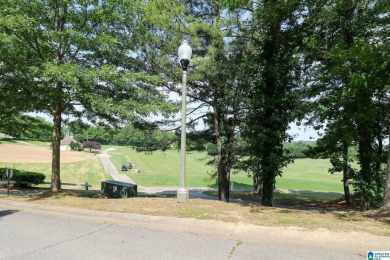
109,167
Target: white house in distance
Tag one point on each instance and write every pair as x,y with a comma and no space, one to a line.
65,143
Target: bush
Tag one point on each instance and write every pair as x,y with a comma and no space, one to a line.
74,146
211,149
374,190
22,177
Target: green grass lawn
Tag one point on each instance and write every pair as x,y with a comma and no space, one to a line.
90,170
24,141
7,141
310,174
163,169
38,142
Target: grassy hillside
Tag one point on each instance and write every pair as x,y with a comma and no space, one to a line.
163,169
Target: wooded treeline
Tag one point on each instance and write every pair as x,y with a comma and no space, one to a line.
257,66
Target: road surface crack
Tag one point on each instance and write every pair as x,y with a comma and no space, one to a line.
70,240
238,243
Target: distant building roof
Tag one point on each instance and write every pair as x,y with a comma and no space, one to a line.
67,140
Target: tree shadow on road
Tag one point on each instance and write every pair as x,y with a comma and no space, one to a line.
7,212
46,193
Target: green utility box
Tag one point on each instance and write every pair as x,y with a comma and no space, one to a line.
118,189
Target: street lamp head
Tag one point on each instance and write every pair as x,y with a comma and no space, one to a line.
185,53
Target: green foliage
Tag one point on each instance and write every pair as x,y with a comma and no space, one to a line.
234,4
77,59
374,190
101,134
347,53
131,136
298,149
271,84
21,177
22,126
75,146
211,149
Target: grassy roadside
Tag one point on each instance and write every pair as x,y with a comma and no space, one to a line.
337,220
91,170
289,198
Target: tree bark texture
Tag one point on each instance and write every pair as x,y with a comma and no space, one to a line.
347,194
365,164
55,172
223,178
268,178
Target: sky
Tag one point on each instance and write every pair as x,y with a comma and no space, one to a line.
302,133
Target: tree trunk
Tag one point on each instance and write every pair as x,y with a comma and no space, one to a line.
256,185
223,185
268,178
222,178
223,175
347,194
386,198
267,192
55,172
365,164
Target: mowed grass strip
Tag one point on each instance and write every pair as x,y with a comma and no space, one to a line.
25,141
333,220
91,170
163,169
287,198
310,174
39,143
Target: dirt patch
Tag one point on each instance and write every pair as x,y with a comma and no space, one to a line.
34,154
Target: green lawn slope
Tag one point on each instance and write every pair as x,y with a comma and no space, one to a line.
163,169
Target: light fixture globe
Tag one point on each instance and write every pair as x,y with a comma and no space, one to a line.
185,53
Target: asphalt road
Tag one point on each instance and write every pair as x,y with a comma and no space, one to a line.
29,231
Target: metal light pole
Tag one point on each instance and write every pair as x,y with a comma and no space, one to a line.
185,53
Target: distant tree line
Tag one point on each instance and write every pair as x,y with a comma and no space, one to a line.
25,126
127,135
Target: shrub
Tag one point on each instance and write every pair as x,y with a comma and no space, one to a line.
22,177
74,146
211,149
